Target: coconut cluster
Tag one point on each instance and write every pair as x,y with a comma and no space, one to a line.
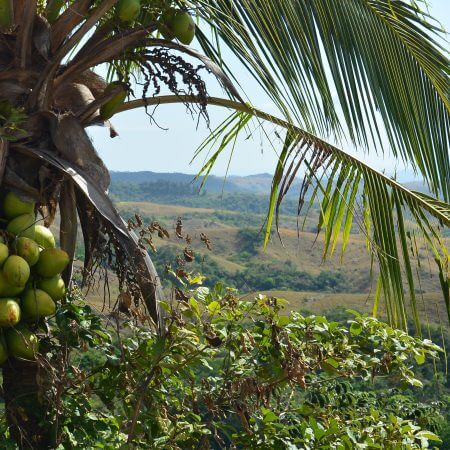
174,23
30,277
177,24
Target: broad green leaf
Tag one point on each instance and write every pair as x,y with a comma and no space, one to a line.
214,307
194,305
356,328
428,435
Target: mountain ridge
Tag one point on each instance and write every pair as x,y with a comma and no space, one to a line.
251,184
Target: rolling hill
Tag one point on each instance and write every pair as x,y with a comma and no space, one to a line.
292,266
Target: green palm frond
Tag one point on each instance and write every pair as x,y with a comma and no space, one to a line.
382,58
349,191
388,205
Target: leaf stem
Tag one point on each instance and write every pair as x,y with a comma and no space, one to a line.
246,108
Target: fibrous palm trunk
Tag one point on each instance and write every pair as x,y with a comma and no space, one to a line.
46,156
24,408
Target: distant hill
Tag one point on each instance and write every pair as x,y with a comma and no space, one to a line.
245,194
250,184
254,184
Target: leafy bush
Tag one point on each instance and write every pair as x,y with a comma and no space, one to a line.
237,373
255,277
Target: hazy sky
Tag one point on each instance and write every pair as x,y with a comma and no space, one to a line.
169,147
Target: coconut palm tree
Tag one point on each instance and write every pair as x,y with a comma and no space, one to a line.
365,71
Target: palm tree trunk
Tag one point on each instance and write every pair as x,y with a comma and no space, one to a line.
50,158
25,407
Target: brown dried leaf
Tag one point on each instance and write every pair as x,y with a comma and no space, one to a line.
124,300
179,228
188,254
138,220
181,273
74,144
150,243
206,241
180,295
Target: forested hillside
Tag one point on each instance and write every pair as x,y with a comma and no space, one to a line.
292,265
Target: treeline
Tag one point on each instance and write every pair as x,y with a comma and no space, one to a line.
256,277
171,193
148,191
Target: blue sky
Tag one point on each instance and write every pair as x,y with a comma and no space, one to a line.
169,147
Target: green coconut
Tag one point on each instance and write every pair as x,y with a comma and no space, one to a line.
111,106
54,287
7,289
37,304
52,261
4,253
3,349
10,313
182,27
23,225
44,237
16,270
164,23
14,206
28,250
128,10
22,342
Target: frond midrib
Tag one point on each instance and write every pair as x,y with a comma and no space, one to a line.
226,103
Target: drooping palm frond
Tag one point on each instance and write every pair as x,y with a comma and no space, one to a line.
383,59
348,190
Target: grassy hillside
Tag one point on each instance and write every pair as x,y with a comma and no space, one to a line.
292,267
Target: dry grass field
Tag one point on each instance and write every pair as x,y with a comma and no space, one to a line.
303,251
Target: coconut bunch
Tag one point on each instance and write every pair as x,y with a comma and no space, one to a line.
30,278
174,23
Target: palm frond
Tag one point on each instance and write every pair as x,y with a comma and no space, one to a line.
87,194
342,182
382,57
383,218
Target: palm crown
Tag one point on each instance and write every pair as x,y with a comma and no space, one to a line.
384,59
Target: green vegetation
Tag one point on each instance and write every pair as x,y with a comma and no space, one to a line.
242,372
197,366
259,277
170,193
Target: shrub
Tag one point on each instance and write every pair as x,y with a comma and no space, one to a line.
229,371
